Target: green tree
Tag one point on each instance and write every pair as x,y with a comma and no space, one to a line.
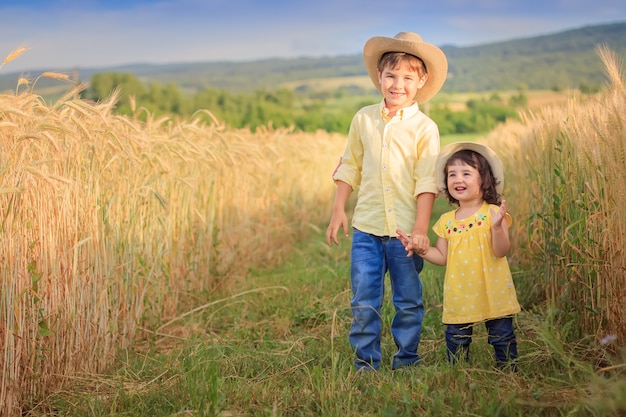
103,84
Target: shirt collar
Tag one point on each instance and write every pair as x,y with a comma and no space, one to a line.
404,112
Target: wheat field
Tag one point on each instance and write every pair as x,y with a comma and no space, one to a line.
111,226
565,173
114,227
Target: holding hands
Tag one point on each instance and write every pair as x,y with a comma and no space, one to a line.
418,243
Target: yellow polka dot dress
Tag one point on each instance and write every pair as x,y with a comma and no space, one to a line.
477,285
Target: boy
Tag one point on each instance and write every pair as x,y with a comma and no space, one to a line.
390,156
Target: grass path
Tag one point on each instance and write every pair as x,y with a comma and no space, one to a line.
277,346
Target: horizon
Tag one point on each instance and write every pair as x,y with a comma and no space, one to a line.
61,35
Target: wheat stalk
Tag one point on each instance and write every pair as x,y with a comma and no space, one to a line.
14,54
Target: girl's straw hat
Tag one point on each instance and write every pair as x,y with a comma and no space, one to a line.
487,152
410,43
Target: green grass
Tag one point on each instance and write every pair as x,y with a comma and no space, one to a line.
460,137
278,347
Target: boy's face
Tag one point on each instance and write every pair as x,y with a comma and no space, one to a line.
399,86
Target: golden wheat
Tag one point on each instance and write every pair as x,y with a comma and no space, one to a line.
14,54
109,222
565,181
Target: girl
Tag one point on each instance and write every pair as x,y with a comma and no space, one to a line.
473,241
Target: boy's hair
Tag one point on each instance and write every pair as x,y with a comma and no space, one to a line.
478,162
394,59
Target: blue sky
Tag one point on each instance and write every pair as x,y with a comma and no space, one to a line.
66,34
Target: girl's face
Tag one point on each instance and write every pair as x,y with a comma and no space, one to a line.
399,86
464,182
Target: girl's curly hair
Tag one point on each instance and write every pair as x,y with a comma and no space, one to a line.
478,162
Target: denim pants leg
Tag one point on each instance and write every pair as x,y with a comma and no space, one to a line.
367,274
458,340
372,257
406,287
502,337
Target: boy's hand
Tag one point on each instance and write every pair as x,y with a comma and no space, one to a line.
420,243
339,220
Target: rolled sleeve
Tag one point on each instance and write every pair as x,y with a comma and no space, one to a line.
350,165
348,174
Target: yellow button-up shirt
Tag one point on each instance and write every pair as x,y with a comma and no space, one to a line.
391,161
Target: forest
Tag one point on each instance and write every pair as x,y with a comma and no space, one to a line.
301,109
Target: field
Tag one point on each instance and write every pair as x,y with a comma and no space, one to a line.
277,346
456,101
160,266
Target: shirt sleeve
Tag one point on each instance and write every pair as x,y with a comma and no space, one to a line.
439,228
350,165
428,150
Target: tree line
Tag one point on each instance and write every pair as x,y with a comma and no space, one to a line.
282,107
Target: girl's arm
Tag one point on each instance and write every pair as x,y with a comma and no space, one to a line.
500,242
437,255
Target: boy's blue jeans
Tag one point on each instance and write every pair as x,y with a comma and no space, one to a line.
372,257
500,335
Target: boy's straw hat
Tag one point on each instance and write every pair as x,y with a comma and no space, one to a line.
487,152
410,43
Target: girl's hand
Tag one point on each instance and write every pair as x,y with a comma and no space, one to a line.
496,218
500,243
406,242
414,244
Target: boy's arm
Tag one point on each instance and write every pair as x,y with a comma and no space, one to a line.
420,241
339,217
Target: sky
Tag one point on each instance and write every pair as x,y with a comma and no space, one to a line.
69,34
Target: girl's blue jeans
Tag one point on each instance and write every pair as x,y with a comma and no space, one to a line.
372,257
500,335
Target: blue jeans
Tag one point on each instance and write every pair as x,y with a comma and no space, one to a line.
372,257
500,335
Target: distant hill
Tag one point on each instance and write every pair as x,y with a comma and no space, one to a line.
557,61
561,60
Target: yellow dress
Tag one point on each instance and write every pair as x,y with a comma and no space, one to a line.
477,285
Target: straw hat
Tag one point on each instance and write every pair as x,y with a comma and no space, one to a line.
487,152
410,43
